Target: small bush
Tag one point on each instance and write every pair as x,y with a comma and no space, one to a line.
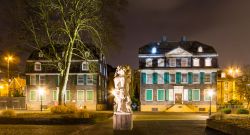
234,102
242,111
62,109
226,110
8,113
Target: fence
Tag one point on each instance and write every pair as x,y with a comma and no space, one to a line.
16,103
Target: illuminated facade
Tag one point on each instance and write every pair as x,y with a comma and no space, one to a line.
85,89
176,76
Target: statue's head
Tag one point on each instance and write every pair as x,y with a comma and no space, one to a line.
122,70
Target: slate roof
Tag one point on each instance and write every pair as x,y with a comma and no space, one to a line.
35,54
164,47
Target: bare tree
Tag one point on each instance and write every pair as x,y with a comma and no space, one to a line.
67,28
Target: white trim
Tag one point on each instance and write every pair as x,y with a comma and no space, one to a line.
149,62
161,62
186,78
178,52
87,79
208,62
163,94
198,78
39,65
87,66
199,95
77,95
146,94
210,78
182,70
196,62
35,95
35,79
40,79
151,82
77,78
151,55
59,73
92,95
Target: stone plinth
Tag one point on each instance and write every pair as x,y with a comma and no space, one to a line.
122,121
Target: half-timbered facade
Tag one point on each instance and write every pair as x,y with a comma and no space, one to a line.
86,89
176,76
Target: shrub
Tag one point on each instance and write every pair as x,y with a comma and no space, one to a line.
234,102
242,111
62,109
226,110
8,113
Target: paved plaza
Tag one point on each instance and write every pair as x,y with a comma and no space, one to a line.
144,124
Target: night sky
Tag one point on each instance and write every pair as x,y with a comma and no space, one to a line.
224,24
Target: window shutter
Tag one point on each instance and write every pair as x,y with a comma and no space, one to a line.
190,77
85,79
202,75
178,77
190,95
167,95
166,78
149,95
155,79
143,78
214,77
27,80
37,79
160,95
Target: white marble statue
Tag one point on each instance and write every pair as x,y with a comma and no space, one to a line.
122,81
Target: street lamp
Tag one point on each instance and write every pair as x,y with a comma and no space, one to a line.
210,94
8,59
41,93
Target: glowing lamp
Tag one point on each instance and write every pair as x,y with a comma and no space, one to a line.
153,50
210,93
41,91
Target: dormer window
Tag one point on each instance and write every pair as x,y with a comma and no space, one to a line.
149,62
37,66
200,49
172,62
196,62
40,54
208,62
160,62
153,50
85,66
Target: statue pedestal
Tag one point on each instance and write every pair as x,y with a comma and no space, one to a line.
122,121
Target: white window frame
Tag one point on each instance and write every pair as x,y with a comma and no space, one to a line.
164,97
210,76
170,78
160,62
149,62
56,91
85,66
35,95
146,94
199,95
172,62
147,80
198,78
206,93
37,66
184,60
200,49
208,62
77,95
31,82
92,95
78,83
170,94
196,62
160,78
40,79
183,77
185,95
88,79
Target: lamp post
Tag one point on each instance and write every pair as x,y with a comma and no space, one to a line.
41,93
210,94
8,59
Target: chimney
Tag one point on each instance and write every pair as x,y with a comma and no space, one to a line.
164,39
183,39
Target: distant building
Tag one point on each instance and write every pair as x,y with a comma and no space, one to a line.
86,89
176,76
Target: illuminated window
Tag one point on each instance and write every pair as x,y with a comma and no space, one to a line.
80,95
89,95
149,63
184,78
42,79
160,62
200,49
153,50
37,66
32,79
149,78
208,62
172,62
184,62
196,62
85,66
32,95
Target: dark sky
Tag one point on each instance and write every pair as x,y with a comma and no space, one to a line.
224,24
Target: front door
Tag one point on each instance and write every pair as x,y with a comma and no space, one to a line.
178,98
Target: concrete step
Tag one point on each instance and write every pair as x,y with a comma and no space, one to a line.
179,108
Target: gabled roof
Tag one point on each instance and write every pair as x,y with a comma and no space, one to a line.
189,46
